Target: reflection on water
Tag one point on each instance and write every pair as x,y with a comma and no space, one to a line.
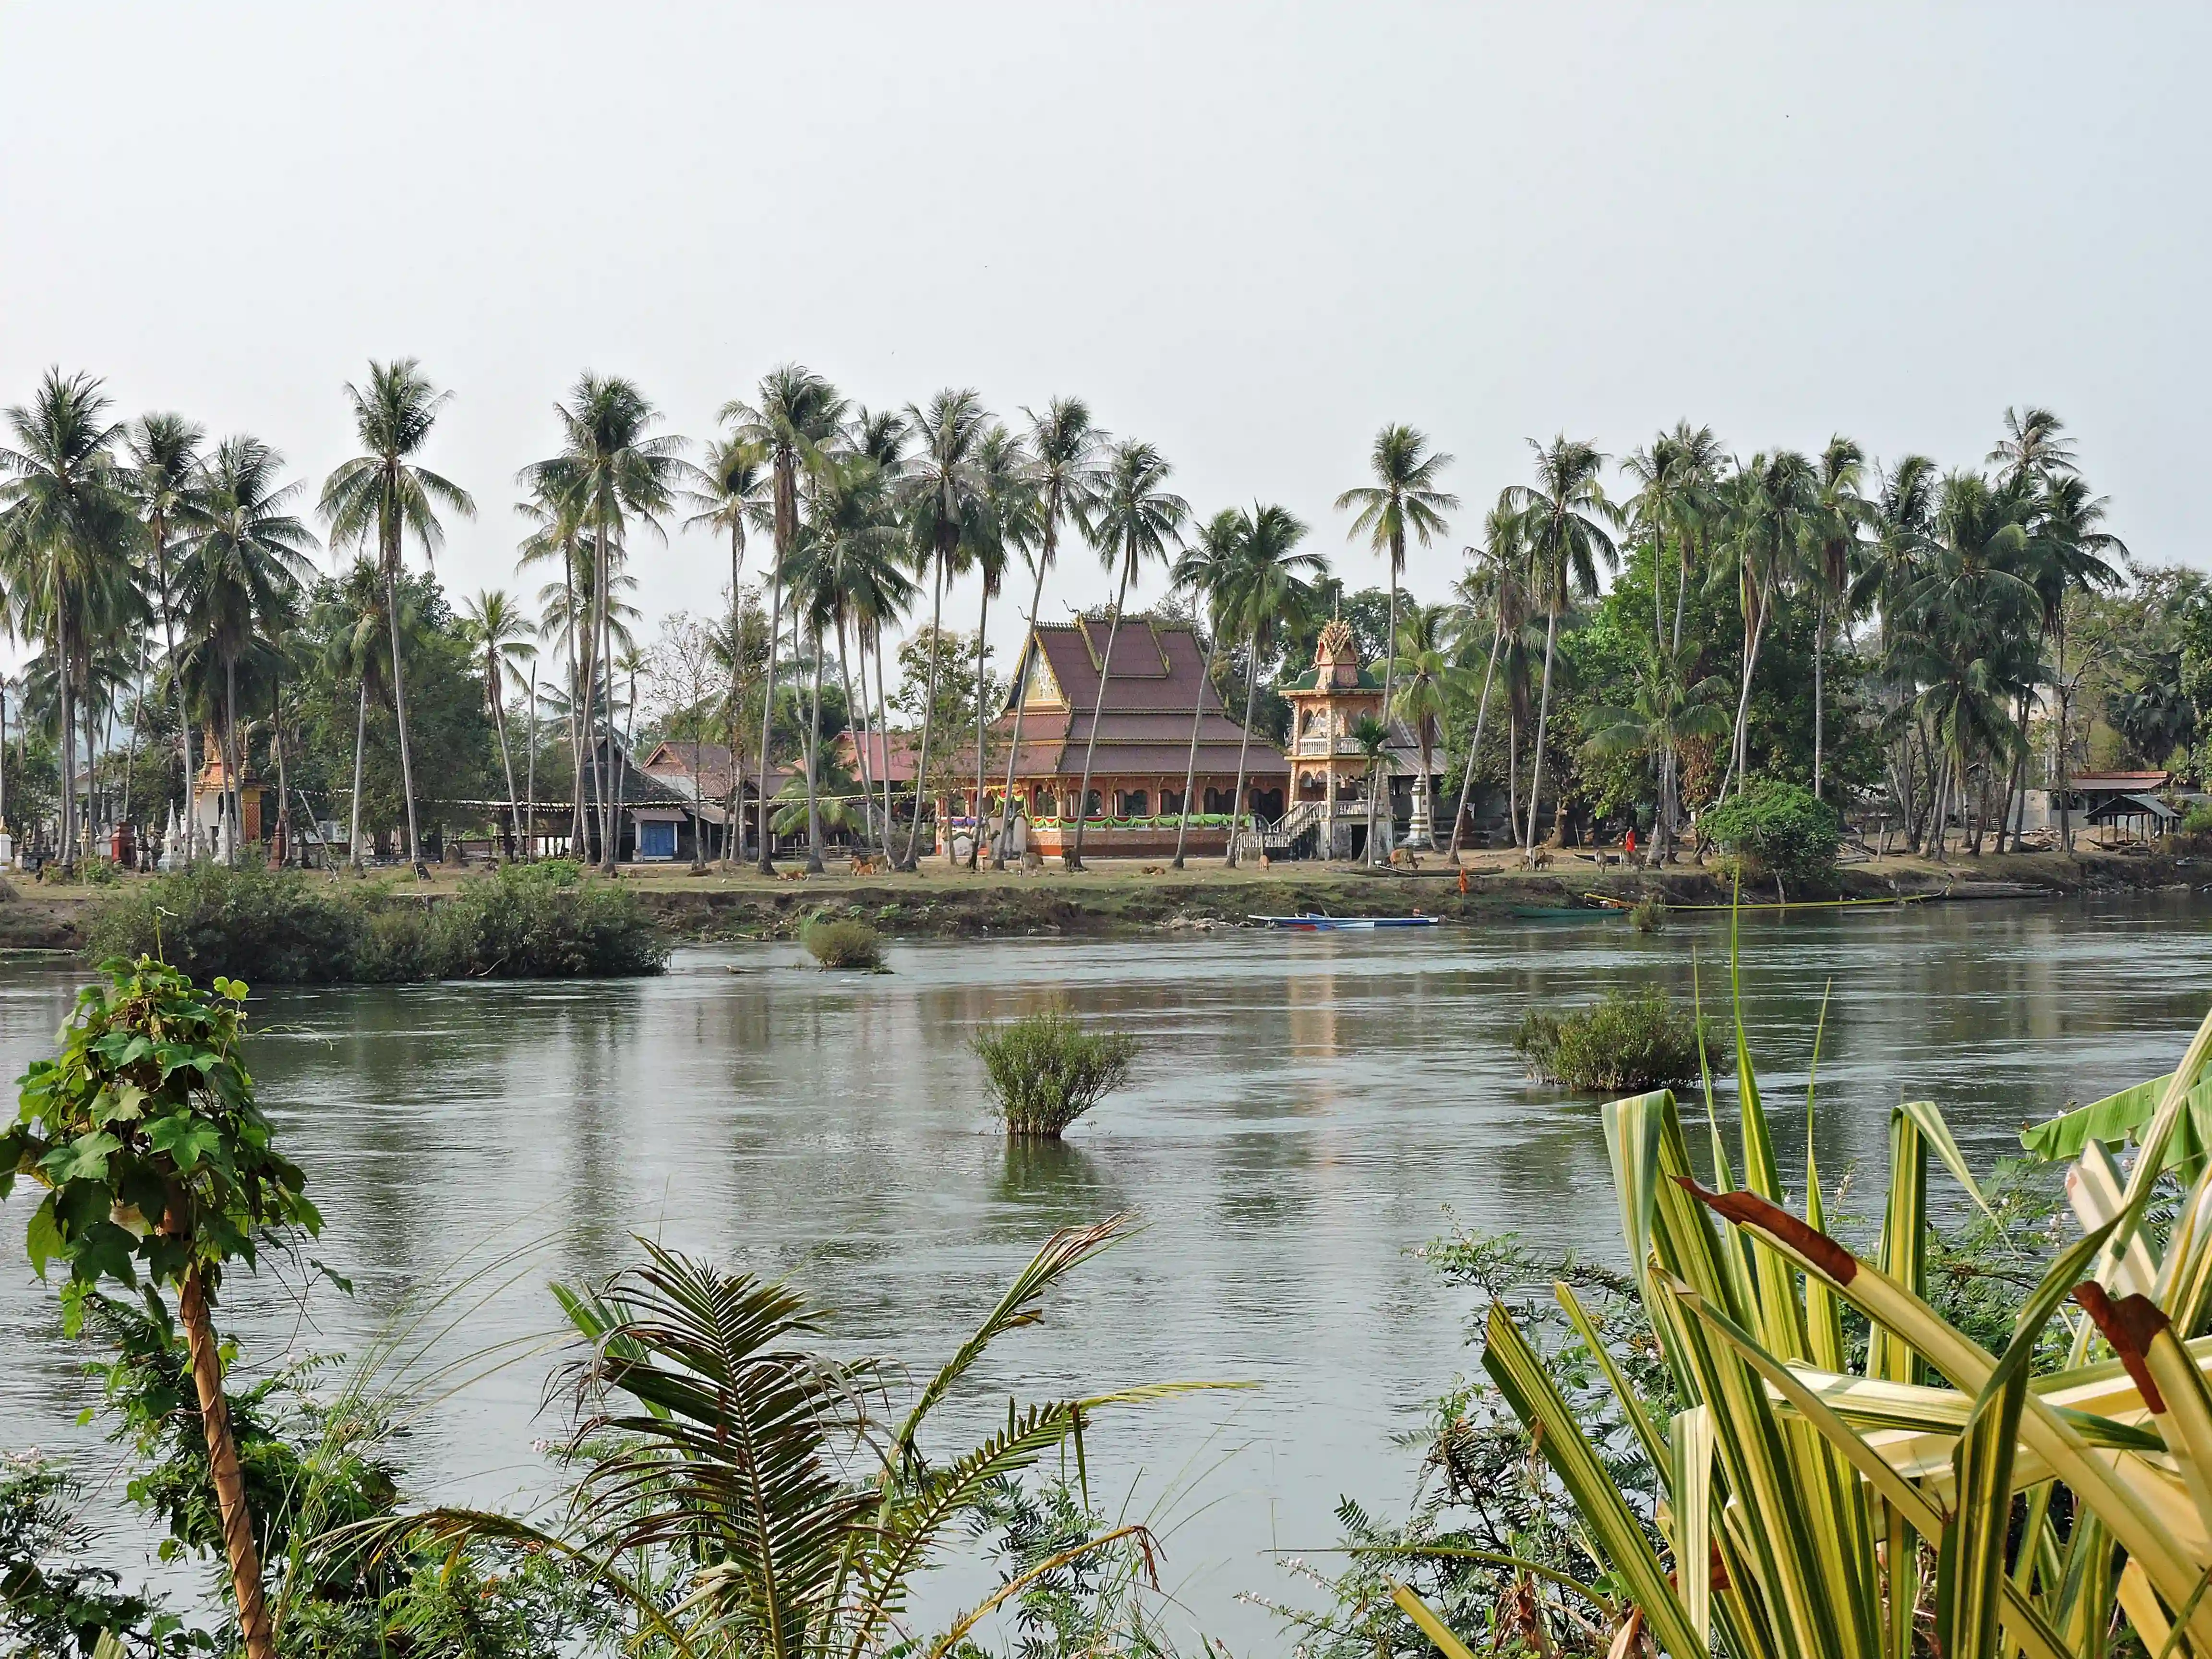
1306,1109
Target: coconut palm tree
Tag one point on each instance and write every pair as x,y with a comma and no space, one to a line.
2035,449
845,563
1493,584
791,423
1273,585
733,492
619,473
1010,494
1425,667
1664,711
946,496
2070,551
1773,507
240,578
1403,500
500,633
355,654
1677,501
1135,520
166,480
383,496
1565,520
65,532
1370,740
1064,446
1839,514
1209,569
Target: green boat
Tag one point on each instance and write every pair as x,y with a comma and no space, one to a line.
1562,912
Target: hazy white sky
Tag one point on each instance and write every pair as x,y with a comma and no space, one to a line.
1250,235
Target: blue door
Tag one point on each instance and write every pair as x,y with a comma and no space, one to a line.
656,841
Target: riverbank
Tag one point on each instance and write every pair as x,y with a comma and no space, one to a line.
1124,897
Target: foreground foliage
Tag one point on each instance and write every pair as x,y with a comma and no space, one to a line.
292,928
743,1492
1811,1495
1627,1040
1046,1070
158,1161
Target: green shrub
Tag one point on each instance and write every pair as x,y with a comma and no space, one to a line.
395,941
2197,821
1626,1044
544,922
1048,1070
288,927
1779,829
1649,915
266,927
843,944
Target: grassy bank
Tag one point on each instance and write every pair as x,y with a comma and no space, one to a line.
289,927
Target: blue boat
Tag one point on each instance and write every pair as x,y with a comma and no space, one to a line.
1313,923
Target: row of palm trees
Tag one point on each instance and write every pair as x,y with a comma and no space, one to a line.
114,535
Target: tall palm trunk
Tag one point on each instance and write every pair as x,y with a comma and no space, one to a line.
276,743
813,764
2061,759
928,711
1190,767
1543,720
733,831
245,1559
138,719
400,712
1819,639
610,780
68,737
860,733
767,862
233,757
360,732
1014,742
982,715
1482,713
507,759
176,680
884,726
1244,743
1739,747
1381,854
1073,860
529,770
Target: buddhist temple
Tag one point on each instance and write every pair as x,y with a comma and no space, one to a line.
1327,702
1155,685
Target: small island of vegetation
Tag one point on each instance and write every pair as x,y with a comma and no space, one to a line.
292,928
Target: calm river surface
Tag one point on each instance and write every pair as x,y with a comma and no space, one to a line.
1307,1111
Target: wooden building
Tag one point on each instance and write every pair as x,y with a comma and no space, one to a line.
1155,686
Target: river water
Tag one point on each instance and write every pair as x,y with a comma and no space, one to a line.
1308,1110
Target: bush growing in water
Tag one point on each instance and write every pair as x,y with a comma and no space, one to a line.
1046,1070
541,921
843,944
1782,830
268,926
1625,1045
289,927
